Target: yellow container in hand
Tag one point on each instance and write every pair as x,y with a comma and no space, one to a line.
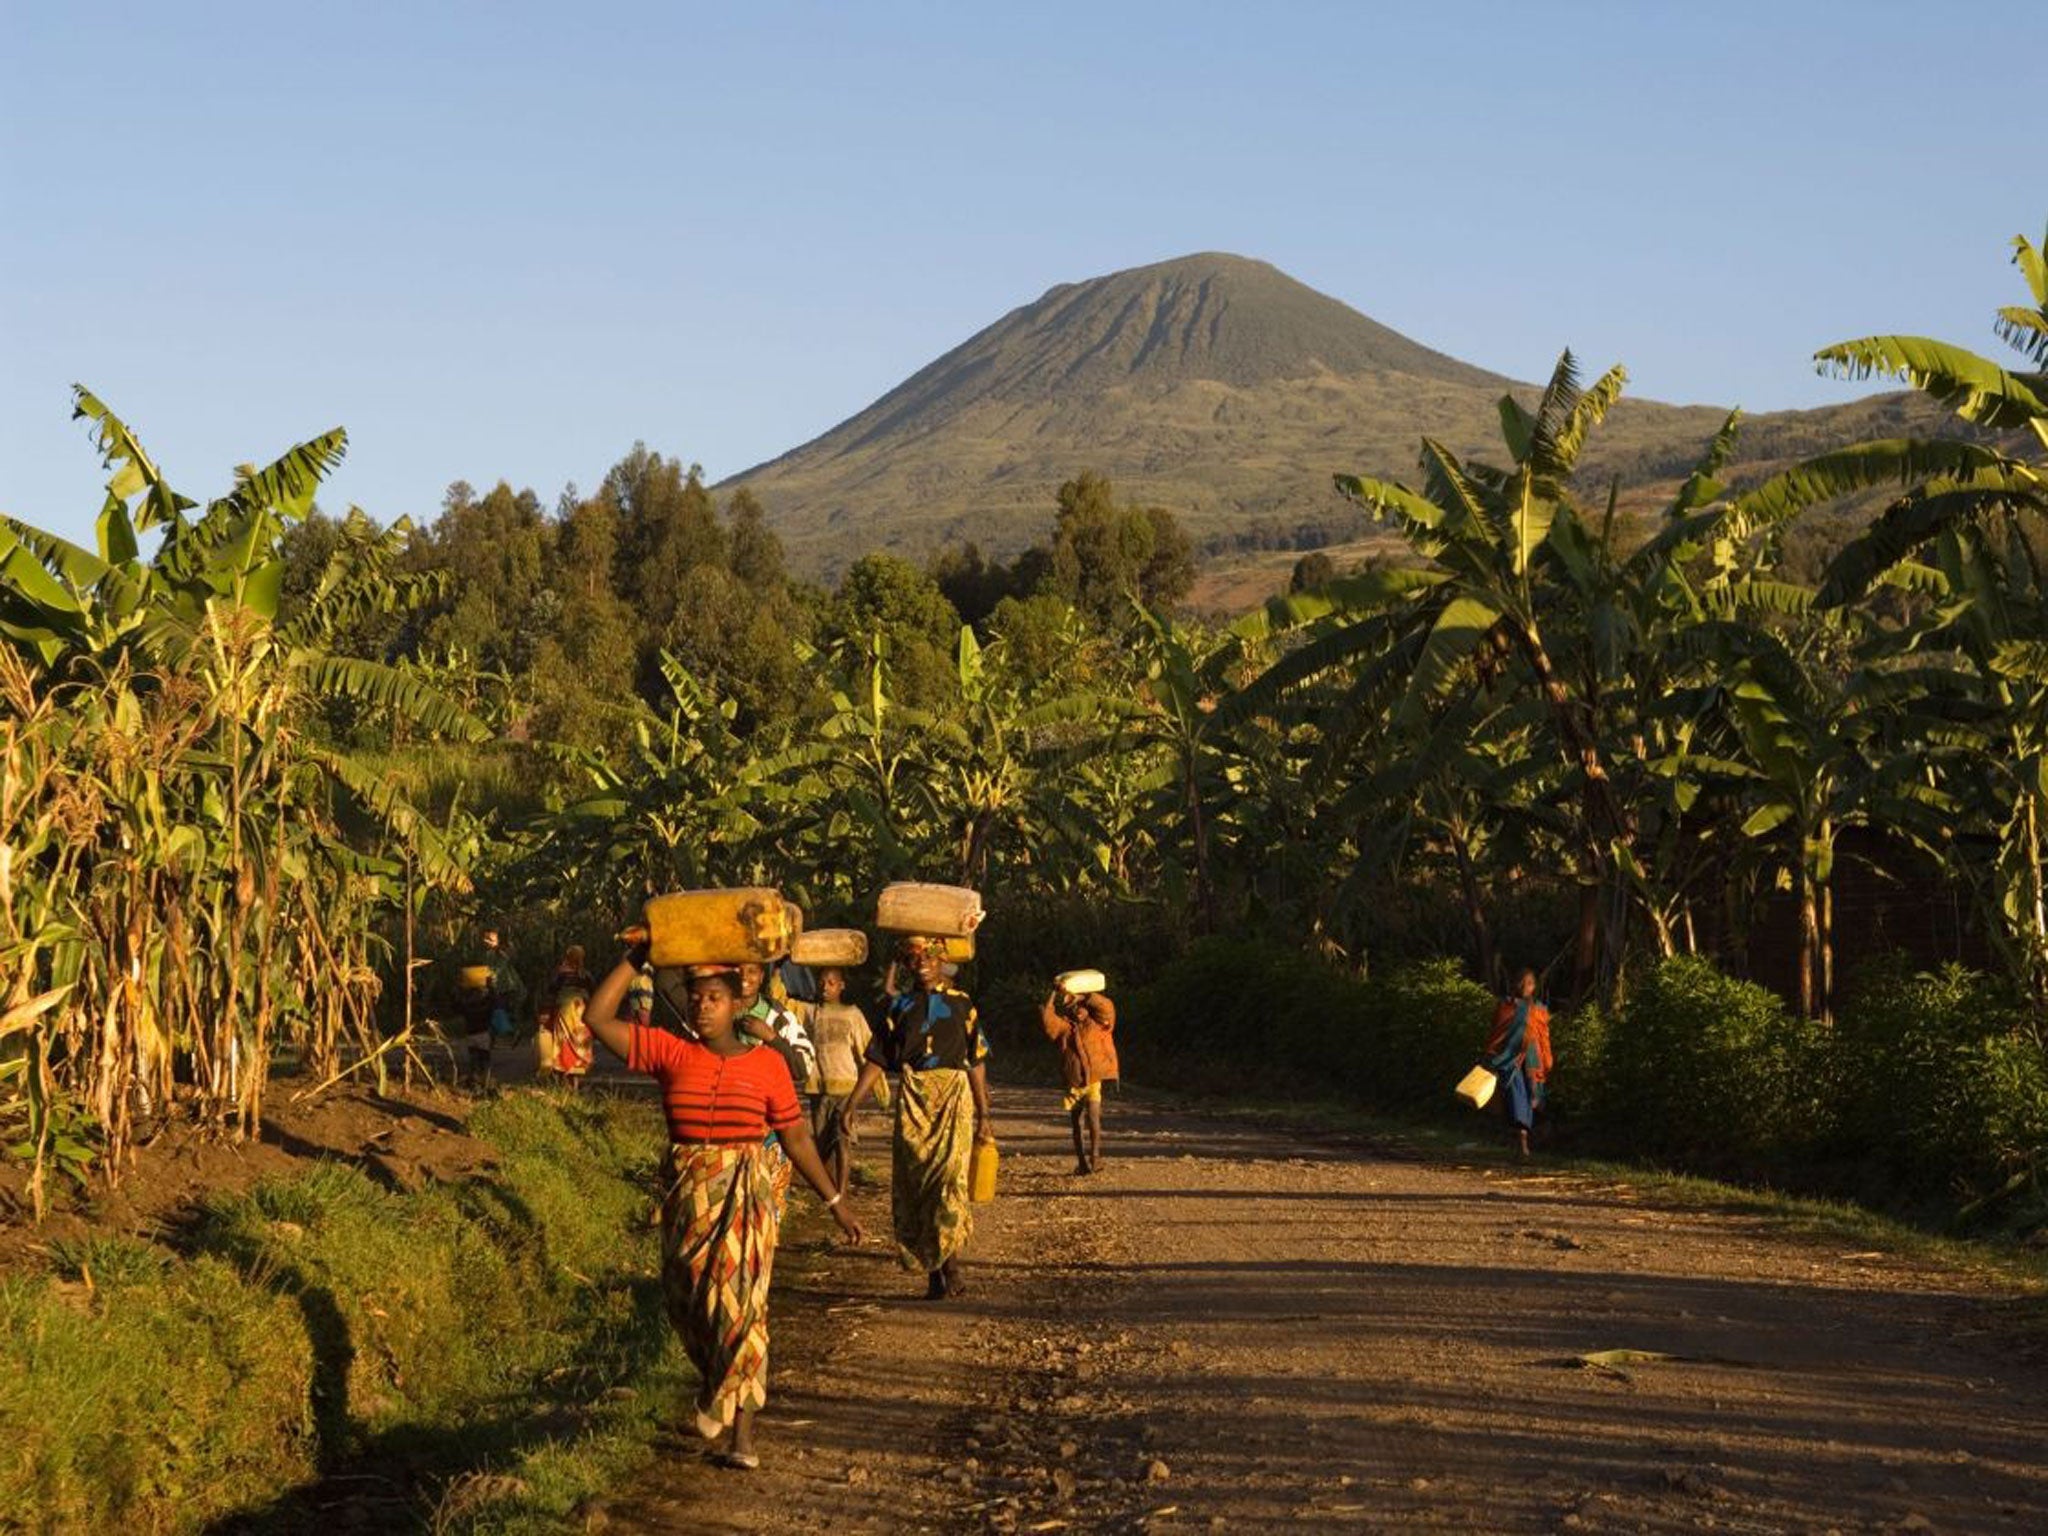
1476,1087
981,1172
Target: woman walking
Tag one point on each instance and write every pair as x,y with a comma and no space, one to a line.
563,1025
931,1039
722,1094
1518,1051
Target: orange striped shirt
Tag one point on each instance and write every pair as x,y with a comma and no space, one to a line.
712,1098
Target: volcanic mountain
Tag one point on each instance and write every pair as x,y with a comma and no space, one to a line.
1213,385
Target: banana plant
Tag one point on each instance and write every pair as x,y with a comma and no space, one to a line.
180,864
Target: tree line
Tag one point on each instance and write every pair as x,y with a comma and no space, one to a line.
1541,732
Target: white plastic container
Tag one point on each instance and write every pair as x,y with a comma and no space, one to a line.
830,946
943,911
1080,983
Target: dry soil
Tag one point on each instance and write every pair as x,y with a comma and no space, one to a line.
1238,1328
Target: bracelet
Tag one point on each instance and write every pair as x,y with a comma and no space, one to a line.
835,1200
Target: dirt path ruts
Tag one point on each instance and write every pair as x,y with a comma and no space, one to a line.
1229,1328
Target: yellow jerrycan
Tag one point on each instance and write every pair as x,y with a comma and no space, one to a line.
942,911
981,1172
830,946
1476,1087
698,927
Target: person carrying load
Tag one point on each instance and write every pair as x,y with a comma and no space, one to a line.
931,1039
1080,1019
723,1093
1518,1052
491,992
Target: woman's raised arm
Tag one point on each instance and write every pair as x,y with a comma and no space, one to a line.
601,1015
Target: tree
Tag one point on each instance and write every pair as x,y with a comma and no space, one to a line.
1963,531
1103,554
888,596
757,558
493,553
973,585
1486,530
1312,570
668,526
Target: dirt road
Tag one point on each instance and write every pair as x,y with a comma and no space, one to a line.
1232,1329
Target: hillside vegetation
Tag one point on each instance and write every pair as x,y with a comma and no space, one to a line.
1212,385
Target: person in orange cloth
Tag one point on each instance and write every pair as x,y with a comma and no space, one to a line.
1518,1051
722,1093
1084,1028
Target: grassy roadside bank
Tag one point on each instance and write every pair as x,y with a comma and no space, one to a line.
322,1349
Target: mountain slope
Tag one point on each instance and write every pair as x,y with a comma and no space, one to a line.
1214,385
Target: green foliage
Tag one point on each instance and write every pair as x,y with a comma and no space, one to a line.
1430,1026
320,1320
1711,1072
177,839
1940,1079
888,603
1104,556
1243,1016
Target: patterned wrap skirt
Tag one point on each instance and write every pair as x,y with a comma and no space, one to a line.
782,1173
718,1231
934,1143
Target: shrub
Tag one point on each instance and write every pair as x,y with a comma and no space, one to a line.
1939,1079
1244,1013
1429,1024
1706,1070
1578,1082
1239,1014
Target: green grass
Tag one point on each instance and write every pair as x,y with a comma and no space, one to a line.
472,1358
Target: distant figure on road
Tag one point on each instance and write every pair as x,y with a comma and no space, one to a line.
1518,1051
571,986
1083,1026
488,1007
638,1007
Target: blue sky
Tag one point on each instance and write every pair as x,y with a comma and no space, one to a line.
506,241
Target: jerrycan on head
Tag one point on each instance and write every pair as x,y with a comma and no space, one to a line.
941,911
700,927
